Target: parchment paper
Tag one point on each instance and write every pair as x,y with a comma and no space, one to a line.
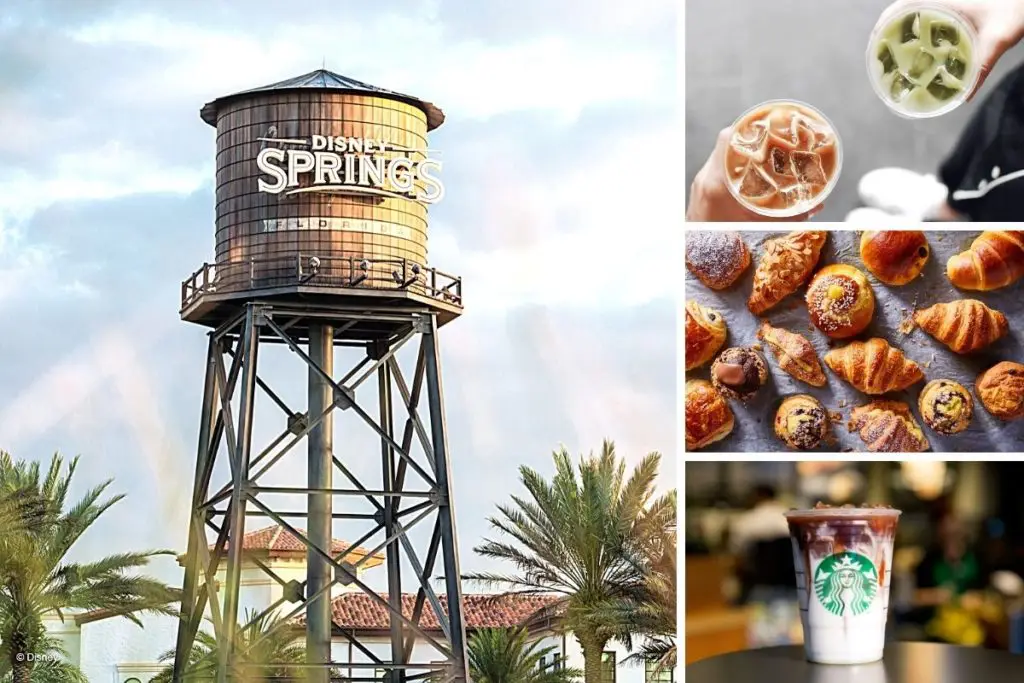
754,432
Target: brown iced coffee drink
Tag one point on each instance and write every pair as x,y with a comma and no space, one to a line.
843,558
783,158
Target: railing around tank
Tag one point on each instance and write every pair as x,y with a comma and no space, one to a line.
321,271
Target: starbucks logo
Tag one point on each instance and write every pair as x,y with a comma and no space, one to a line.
846,583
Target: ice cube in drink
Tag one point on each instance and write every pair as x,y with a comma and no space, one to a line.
843,559
783,158
921,59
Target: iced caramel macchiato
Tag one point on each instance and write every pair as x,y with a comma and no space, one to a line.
843,559
783,158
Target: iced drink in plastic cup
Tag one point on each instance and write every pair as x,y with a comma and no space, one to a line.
922,60
843,559
783,158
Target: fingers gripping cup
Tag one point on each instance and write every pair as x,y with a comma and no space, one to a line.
922,59
843,559
783,158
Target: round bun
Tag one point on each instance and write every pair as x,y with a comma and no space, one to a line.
739,372
707,415
840,301
894,256
715,257
705,334
802,422
946,406
1001,390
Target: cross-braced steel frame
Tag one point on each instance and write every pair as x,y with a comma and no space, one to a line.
402,503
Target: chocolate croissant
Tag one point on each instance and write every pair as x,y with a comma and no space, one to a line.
795,354
995,259
705,334
873,366
786,264
888,427
964,325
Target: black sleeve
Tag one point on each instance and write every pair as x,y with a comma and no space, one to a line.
993,138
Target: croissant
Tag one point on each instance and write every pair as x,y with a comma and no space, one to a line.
785,264
964,325
873,366
888,427
995,259
794,353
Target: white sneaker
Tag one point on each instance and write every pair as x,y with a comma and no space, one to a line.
903,192
867,217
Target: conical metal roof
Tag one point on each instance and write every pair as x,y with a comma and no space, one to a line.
322,79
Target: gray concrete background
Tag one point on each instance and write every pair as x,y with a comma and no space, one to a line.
741,52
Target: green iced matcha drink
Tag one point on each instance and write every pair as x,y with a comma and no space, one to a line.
921,59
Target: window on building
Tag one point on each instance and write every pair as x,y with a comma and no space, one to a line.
132,680
543,663
607,667
663,676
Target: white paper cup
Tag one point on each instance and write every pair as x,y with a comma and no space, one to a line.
920,103
843,559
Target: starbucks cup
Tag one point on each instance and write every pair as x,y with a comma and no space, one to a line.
923,59
843,559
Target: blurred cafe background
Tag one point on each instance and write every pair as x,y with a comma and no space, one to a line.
957,564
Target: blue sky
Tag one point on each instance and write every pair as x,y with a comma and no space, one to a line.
562,207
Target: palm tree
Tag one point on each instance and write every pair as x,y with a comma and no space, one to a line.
498,655
581,537
52,667
273,644
652,613
35,579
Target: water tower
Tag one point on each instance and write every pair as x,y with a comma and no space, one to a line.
322,189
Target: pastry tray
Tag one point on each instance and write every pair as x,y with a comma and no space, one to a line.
754,432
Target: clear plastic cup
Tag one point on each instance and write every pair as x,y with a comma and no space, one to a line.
843,559
776,187
911,84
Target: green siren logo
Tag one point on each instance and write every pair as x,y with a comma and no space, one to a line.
846,583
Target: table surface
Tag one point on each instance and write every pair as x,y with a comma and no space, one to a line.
903,663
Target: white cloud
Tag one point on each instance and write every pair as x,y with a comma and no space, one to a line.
468,78
620,247
103,172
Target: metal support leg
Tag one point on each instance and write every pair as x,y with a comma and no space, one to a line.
321,447
239,492
204,467
398,505
393,553
446,510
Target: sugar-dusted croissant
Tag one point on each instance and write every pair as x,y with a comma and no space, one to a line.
873,366
963,325
995,259
794,353
786,263
888,427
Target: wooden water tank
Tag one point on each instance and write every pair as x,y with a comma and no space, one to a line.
304,234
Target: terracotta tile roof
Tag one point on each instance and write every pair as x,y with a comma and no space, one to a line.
356,611
277,542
